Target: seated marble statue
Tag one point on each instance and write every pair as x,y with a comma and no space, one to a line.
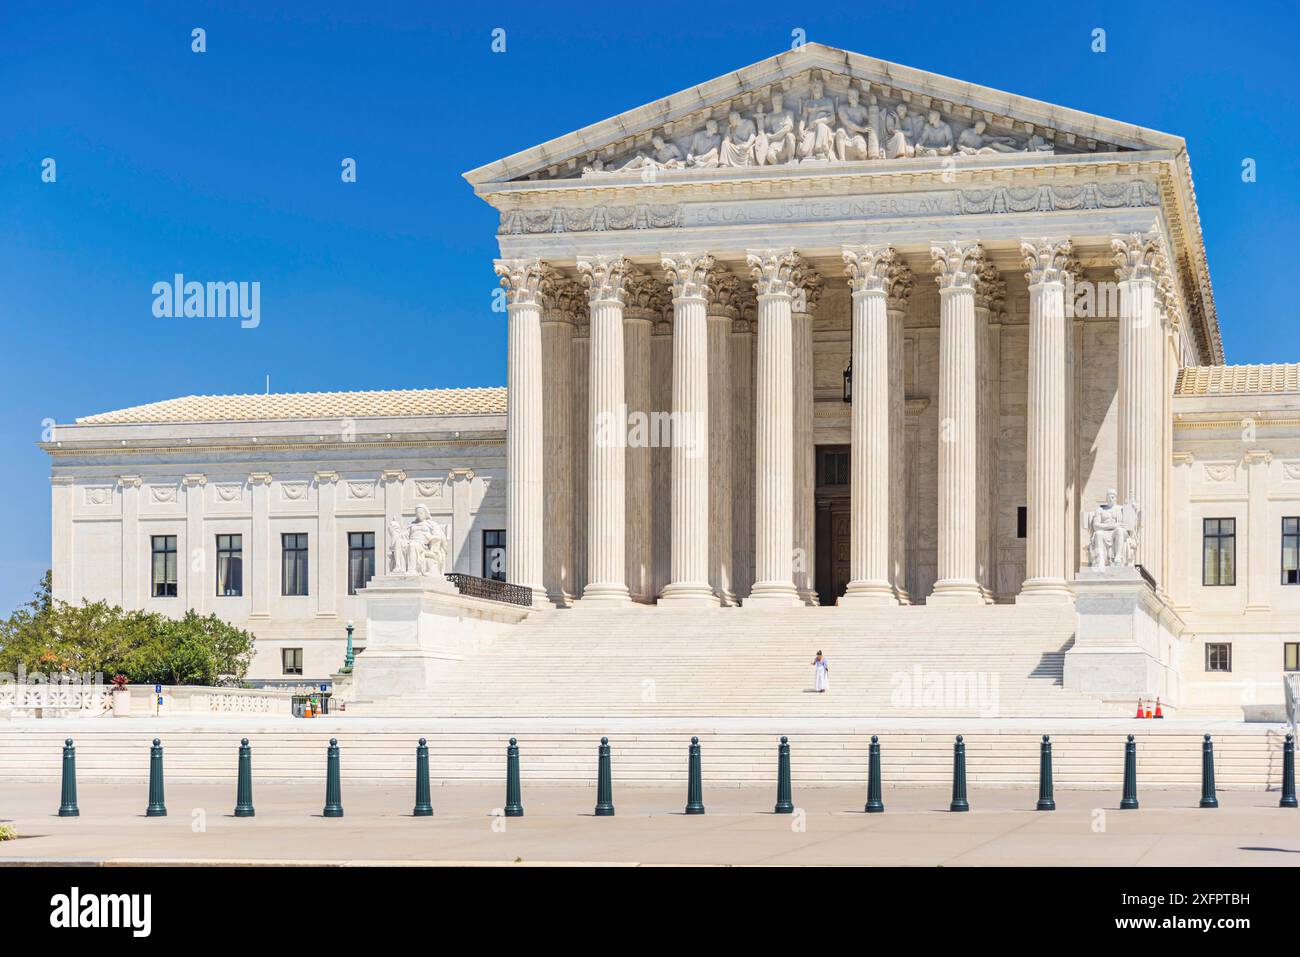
1112,532
705,146
1038,143
816,126
855,139
776,140
901,131
935,138
975,142
738,145
418,549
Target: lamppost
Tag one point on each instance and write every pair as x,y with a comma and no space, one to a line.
349,657
848,381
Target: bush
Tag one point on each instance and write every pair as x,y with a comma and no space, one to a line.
54,636
8,832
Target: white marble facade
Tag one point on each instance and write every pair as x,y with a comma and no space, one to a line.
1023,292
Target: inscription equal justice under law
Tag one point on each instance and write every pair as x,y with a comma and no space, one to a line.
897,205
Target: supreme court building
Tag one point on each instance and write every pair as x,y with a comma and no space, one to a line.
823,331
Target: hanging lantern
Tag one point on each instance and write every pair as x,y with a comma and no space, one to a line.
848,381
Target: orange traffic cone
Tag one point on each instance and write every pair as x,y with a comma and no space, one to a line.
1139,714
1159,713
1148,714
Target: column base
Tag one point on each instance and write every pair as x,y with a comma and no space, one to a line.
540,598
773,594
956,591
1045,591
692,594
604,595
866,594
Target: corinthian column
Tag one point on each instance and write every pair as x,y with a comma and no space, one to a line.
526,282
559,313
990,295
1047,428
1139,261
742,445
898,289
808,289
644,297
956,265
871,453
606,278
774,273
723,310
689,562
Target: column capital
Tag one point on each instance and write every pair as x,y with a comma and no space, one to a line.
724,295
1167,295
688,274
990,287
128,481
605,277
808,288
1047,260
259,478
956,264
773,270
1258,457
62,480
563,300
392,475
194,479
1137,256
526,281
326,477
644,297
878,269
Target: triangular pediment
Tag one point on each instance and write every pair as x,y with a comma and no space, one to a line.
867,110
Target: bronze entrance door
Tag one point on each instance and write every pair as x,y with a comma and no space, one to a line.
833,522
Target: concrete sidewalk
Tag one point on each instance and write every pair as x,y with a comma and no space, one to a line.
828,828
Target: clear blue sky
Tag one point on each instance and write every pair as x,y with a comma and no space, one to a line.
225,165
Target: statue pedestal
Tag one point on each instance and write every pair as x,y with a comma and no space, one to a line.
417,629
1127,641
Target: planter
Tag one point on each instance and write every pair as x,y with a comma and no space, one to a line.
121,703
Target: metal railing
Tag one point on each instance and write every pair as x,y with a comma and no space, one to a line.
491,589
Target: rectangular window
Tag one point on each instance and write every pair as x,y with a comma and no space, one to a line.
832,467
494,554
230,566
292,660
361,560
1022,521
293,567
1291,656
1219,552
1218,657
1291,551
163,574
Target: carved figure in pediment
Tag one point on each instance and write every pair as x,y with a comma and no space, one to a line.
816,126
776,140
705,146
935,138
664,156
856,139
975,142
739,143
901,132
1038,143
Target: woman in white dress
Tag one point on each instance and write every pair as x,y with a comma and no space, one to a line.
821,673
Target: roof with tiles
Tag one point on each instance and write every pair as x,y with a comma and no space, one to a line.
1239,380
308,405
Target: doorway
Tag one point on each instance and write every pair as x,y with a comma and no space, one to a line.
833,522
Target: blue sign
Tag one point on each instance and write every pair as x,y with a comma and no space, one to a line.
324,687
160,701
157,689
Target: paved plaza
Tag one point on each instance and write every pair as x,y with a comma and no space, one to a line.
828,828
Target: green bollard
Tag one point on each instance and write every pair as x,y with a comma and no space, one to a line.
604,783
1046,800
333,786
694,783
68,799
875,804
1208,798
1130,799
959,802
784,801
1288,773
244,787
423,806
157,805
513,806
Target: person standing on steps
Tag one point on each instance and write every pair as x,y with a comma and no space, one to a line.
821,673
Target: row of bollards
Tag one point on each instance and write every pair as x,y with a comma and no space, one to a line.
157,806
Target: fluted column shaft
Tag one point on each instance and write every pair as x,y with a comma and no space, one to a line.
606,539
804,455
557,457
958,433
636,363
896,310
689,548
774,432
1047,429
580,468
661,388
720,455
742,465
525,282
